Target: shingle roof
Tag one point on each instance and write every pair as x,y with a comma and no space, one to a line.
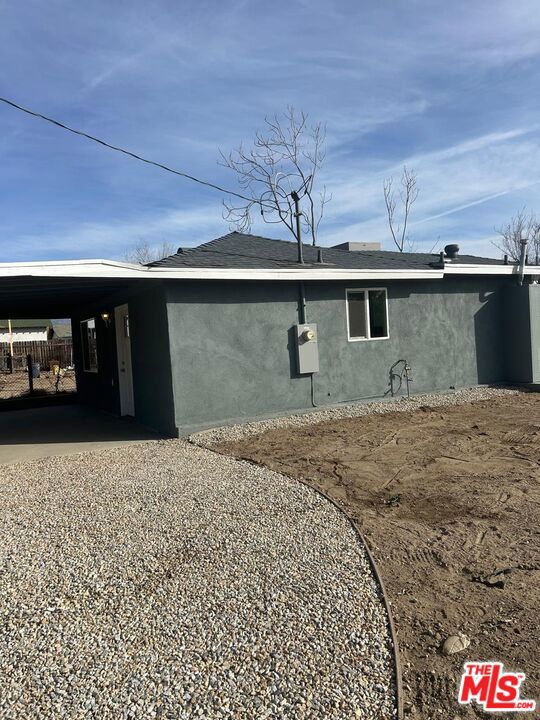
239,250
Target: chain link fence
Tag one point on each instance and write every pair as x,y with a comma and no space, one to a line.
23,375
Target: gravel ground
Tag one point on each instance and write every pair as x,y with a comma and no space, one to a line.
231,433
163,580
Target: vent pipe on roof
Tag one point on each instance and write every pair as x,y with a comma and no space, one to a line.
297,214
451,251
522,259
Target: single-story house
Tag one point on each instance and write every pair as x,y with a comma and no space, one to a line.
237,328
18,331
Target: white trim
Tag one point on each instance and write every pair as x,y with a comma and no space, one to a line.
480,269
297,274
62,263
366,310
109,269
120,270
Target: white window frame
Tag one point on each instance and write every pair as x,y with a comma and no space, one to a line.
81,325
366,290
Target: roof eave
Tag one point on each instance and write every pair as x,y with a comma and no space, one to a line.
126,271
483,269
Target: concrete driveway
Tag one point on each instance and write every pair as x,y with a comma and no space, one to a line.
62,430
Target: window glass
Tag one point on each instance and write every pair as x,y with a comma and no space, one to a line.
367,314
89,345
378,322
357,314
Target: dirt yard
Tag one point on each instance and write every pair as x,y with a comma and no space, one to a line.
449,501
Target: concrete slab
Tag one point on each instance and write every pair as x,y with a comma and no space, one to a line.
63,430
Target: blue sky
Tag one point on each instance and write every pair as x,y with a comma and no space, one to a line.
450,89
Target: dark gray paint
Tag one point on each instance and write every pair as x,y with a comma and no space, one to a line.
522,333
151,360
98,389
233,352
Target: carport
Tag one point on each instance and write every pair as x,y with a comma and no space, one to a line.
117,305
35,433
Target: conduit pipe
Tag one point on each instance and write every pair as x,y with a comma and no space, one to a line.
523,255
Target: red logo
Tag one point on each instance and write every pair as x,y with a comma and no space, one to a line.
493,687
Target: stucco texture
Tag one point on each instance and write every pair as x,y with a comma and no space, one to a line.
233,355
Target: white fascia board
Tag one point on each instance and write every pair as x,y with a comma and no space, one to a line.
111,269
120,270
479,269
292,274
72,269
70,263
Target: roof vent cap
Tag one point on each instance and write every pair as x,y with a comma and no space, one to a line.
451,251
179,251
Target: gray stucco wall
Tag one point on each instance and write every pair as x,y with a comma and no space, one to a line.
517,329
150,356
522,333
151,360
233,355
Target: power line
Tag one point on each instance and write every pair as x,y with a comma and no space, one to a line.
63,126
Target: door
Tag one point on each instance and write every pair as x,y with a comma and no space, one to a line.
123,350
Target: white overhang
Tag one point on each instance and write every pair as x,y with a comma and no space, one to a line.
126,271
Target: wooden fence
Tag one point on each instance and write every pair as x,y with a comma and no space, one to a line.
42,352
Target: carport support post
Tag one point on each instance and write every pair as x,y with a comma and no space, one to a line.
30,377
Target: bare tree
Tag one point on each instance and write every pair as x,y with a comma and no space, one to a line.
144,253
398,220
286,157
522,225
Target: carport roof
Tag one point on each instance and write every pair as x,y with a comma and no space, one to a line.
24,296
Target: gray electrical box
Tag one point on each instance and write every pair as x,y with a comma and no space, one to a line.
307,348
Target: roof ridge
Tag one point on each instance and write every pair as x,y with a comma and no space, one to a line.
209,243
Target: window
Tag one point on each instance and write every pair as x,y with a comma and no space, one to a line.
367,314
89,345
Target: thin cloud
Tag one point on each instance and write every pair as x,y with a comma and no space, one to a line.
448,93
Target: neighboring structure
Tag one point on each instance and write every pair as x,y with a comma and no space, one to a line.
61,330
237,329
357,246
19,331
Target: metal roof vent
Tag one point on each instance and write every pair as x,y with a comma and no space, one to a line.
451,251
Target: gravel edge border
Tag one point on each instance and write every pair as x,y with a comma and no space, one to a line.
398,675
210,437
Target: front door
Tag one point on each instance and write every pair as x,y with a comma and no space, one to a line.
123,349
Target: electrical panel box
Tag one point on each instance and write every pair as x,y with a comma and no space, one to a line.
307,348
